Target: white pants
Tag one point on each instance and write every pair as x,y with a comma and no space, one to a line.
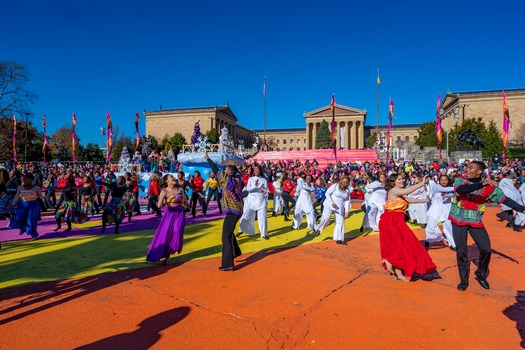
278,204
372,213
298,220
339,229
433,233
247,224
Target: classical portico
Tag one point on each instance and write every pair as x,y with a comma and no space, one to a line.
350,131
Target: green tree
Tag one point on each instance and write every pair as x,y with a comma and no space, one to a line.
60,143
475,125
15,97
427,135
493,142
177,141
371,140
213,135
322,139
34,140
119,142
92,153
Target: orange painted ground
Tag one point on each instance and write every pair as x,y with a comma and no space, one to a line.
320,296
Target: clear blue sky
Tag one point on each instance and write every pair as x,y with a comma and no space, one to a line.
128,56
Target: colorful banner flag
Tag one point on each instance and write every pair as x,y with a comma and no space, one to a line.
378,79
333,138
14,137
73,144
390,117
45,143
137,138
439,131
506,120
109,141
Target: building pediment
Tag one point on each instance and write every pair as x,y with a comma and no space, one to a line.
340,110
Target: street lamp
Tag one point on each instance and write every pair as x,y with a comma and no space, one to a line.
456,118
25,144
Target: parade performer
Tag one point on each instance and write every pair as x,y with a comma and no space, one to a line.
418,211
87,197
438,212
287,195
337,201
212,185
28,211
375,199
320,195
67,207
169,236
278,203
197,185
118,207
154,192
231,187
402,254
466,214
507,186
304,205
256,203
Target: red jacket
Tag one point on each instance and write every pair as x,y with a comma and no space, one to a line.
197,183
154,188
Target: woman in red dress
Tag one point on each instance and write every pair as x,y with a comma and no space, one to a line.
403,256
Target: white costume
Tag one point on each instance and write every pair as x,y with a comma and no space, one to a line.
341,199
278,203
520,217
255,203
418,211
438,212
304,204
510,191
375,199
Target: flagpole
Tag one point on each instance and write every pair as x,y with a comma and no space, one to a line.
264,112
377,103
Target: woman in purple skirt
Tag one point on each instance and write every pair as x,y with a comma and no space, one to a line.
168,238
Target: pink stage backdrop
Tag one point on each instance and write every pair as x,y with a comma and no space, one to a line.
323,156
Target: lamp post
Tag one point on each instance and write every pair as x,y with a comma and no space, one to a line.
103,133
25,143
456,118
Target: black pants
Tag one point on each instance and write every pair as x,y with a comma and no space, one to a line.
99,192
195,196
50,194
152,203
230,247
288,199
216,195
481,237
107,192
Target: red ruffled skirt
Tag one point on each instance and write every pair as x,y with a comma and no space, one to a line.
400,246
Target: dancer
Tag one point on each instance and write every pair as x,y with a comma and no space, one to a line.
438,212
197,183
507,186
118,207
320,195
87,197
304,205
67,207
278,202
12,185
466,214
288,189
402,254
231,188
256,203
375,199
154,192
26,216
337,201
418,211
169,236
212,185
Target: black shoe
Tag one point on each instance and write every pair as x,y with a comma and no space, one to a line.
462,286
273,214
361,229
266,237
238,234
341,242
293,228
482,282
517,228
509,224
427,244
103,228
58,228
230,268
317,233
453,248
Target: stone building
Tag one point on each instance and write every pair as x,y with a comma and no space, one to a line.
489,106
401,134
167,122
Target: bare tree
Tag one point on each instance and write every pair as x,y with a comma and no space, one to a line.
14,96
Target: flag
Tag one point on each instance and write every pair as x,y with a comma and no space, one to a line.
378,79
14,137
506,120
439,131
74,124
137,138
109,141
45,143
333,140
390,117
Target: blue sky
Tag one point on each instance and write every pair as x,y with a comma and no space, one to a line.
88,57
